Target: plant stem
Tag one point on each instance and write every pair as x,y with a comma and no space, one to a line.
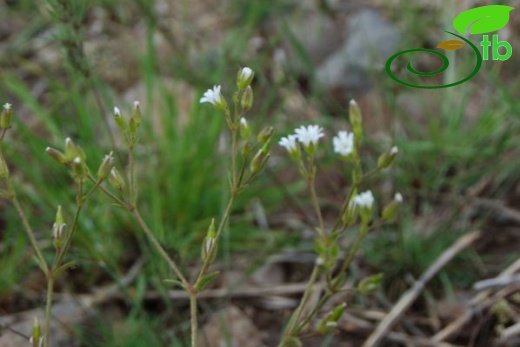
194,319
159,248
48,306
293,322
32,238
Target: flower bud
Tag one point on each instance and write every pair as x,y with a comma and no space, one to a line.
4,169
70,150
245,131
265,135
246,102
36,338
390,210
58,234
5,117
106,165
370,284
56,155
356,120
387,158
260,159
136,114
120,120
115,179
78,168
330,321
244,78
208,252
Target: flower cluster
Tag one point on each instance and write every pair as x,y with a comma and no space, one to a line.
309,136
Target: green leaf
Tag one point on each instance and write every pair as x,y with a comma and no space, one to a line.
64,267
369,284
203,282
483,19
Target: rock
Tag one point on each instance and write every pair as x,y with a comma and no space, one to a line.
369,41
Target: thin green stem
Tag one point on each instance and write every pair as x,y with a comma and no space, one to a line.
363,230
194,320
316,204
159,248
32,238
48,307
291,328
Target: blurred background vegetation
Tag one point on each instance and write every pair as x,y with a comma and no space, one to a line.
64,70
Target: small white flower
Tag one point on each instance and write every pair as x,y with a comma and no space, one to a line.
309,134
117,111
77,160
398,197
136,104
394,150
245,73
212,96
365,199
7,106
289,143
343,143
243,121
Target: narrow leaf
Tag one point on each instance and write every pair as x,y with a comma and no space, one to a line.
205,280
483,19
451,45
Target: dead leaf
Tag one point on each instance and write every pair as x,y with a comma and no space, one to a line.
451,45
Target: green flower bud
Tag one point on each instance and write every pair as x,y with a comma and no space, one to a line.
245,131
136,114
115,179
260,159
4,169
244,78
208,245
329,322
36,339
5,117
370,284
247,99
106,165
387,158
390,210
356,121
120,120
265,135
56,155
78,168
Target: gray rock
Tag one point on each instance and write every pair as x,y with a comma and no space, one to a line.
369,41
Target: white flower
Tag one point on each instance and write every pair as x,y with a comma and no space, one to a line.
212,96
117,111
245,73
136,104
398,197
343,143
309,135
289,143
365,199
394,150
243,122
7,106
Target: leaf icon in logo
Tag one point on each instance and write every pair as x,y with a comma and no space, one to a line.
451,45
483,19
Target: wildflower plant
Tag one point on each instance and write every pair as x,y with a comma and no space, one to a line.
302,147
249,152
